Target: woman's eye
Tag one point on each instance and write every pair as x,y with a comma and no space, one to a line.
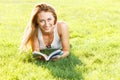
49,19
41,20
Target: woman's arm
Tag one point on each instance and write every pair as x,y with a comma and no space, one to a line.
64,35
35,44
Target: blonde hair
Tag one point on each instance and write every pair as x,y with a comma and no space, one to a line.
31,30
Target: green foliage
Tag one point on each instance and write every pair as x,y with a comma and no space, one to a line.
94,27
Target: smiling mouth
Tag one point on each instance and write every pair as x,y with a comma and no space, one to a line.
46,28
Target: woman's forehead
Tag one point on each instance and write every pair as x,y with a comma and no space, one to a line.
45,14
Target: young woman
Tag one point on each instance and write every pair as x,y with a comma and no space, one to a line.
45,32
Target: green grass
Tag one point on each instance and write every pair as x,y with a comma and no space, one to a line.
94,36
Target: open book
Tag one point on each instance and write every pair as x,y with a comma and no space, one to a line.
47,58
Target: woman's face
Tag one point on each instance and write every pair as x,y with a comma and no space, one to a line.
45,21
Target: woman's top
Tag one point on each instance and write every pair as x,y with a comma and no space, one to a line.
56,43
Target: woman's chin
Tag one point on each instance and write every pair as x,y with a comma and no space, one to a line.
47,31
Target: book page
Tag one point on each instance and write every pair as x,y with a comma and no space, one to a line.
54,53
39,54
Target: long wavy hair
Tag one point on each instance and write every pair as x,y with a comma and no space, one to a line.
32,28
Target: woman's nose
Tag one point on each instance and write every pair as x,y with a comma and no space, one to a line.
46,23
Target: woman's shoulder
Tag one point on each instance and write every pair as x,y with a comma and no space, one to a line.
61,23
62,26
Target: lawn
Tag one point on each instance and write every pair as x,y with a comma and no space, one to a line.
94,27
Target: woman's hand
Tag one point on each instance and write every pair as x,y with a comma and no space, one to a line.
41,57
56,58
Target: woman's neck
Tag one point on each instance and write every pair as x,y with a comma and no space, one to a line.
48,38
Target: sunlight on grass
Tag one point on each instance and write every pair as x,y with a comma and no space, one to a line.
94,27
